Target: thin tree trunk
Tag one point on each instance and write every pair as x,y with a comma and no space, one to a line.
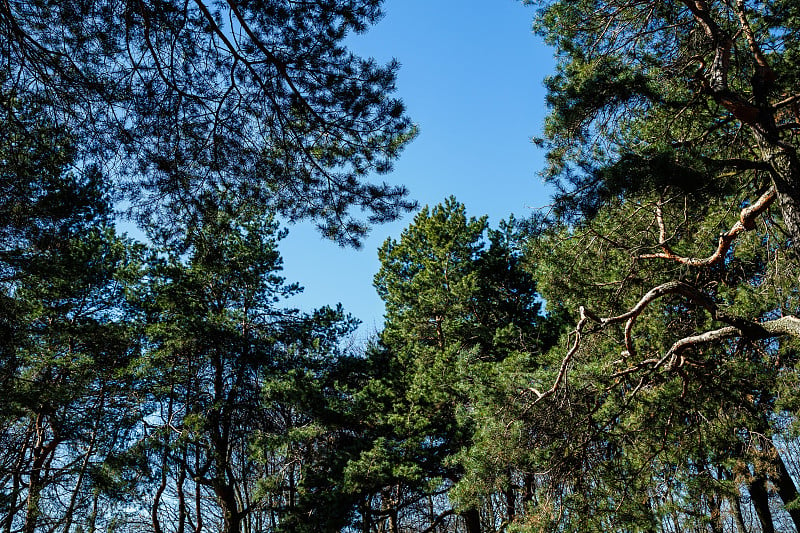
511,502
74,497
366,516
228,502
736,506
388,506
198,497
716,514
13,505
760,499
93,515
36,481
528,491
164,466
182,513
159,491
786,488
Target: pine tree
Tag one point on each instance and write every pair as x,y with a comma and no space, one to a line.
673,246
180,100
457,314
69,335
233,374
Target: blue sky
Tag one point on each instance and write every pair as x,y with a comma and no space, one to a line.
471,78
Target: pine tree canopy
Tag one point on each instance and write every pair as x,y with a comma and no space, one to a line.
183,101
672,140
625,361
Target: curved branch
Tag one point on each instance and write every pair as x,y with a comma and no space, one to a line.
746,222
671,287
765,75
786,325
738,327
279,65
562,372
716,79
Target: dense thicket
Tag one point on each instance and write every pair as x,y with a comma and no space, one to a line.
220,352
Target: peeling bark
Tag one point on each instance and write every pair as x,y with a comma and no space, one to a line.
786,180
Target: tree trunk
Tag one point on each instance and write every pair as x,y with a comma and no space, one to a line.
93,514
229,505
527,492
785,167
394,527
366,516
179,486
36,481
389,507
198,496
154,520
716,514
14,505
736,506
789,199
511,500
32,507
760,499
472,520
786,488
78,484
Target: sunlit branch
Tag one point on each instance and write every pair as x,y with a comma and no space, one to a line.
740,328
746,222
567,359
787,325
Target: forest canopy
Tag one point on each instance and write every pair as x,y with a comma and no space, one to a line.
672,140
626,360
193,102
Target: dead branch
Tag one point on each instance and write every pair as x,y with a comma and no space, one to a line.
562,372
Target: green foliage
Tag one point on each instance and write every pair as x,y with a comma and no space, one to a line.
248,389
184,102
681,433
69,335
657,392
462,318
671,245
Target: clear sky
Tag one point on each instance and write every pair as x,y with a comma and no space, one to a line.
471,78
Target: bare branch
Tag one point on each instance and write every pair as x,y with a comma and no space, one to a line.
738,327
562,372
746,222
787,325
764,72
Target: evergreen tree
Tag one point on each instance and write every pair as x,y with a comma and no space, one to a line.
68,335
232,374
456,312
250,99
673,246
